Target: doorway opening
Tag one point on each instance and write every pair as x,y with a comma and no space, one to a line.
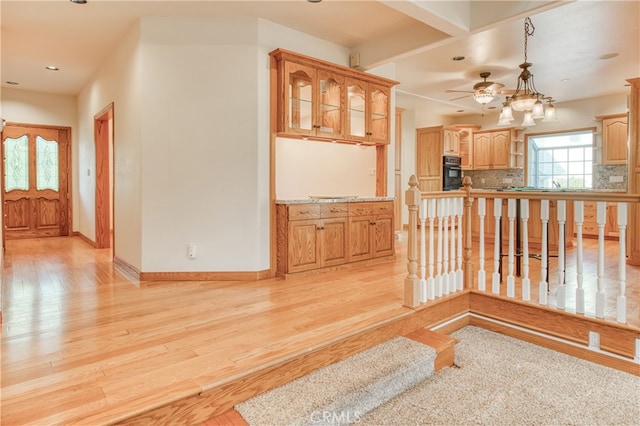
104,205
36,184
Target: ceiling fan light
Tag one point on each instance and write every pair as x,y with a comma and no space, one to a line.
528,119
483,97
538,110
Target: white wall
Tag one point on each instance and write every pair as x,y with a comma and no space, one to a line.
117,81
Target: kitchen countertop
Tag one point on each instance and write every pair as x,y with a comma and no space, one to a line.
333,199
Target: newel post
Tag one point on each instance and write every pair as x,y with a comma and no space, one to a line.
412,282
467,265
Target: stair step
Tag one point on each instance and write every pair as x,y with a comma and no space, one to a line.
443,344
344,391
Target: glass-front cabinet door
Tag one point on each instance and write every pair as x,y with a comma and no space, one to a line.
299,98
357,110
378,119
330,117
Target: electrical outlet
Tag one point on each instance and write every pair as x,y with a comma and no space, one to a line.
192,251
372,172
594,340
616,179
507,180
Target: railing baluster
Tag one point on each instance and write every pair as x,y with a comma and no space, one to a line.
445,247
482,278
440,211
562,218
511,214
601,218
423,251
543,287
579,218
497,245
459,273
452,245
431,212
622,277
526,283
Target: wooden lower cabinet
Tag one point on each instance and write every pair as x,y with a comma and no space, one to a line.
590,224
534,227
370,230
318,235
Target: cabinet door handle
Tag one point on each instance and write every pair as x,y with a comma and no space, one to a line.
334,210
372,223
361,210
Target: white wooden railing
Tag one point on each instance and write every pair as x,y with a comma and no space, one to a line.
440,250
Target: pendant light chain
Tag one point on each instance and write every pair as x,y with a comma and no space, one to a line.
527,33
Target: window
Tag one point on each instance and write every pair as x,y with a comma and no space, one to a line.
561,160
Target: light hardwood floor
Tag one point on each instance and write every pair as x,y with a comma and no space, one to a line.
82,343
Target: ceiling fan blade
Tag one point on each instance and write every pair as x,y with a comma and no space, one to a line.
495,86
506,92
459,97
459,91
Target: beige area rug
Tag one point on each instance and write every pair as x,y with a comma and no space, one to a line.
505,381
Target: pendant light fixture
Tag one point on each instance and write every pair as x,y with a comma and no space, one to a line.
526,97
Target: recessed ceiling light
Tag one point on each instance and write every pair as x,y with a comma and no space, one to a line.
52,68
314,1
15,83
460,110
458,58
78,1
564,80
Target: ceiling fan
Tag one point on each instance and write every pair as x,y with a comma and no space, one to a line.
483,92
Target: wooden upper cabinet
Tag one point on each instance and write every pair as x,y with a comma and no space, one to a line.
492,149
368,107
614,139
328,101
451,142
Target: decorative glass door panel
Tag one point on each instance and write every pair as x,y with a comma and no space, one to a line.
379,105
300,98
331,105
35,182
356,110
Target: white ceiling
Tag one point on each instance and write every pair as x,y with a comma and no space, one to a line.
594,45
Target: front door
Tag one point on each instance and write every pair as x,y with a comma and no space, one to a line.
35,181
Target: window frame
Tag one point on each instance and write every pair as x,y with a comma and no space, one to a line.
528,160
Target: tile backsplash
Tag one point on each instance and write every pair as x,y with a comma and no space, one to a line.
610,177
495,178
605,177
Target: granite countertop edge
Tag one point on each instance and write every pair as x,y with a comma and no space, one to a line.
334,200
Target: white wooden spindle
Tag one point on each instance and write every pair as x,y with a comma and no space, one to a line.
452,245
459,272
422,293
578,207
526,282
543,287
482,278
438,283
562,219
601,218
431,213
445,248
497,213
622,276
511,280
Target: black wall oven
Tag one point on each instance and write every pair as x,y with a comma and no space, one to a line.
451,173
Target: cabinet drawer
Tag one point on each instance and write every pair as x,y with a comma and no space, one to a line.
590,228
334,210
304,211
360,209
383,207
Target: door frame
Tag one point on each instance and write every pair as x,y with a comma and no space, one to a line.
65,133
103,130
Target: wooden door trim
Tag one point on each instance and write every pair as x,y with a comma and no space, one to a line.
66,201
103,206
